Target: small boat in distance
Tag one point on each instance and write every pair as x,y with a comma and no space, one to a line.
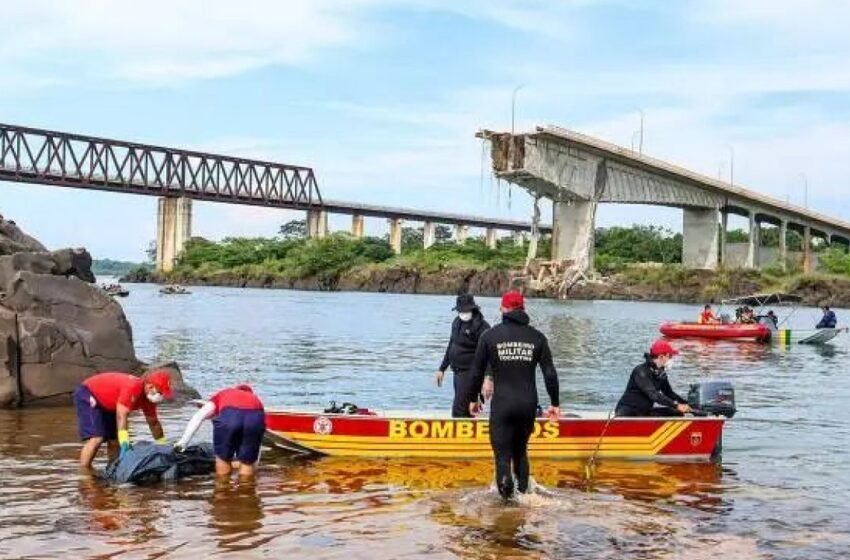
174,290
115,290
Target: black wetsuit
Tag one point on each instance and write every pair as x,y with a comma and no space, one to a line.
648,386
460,354
513,350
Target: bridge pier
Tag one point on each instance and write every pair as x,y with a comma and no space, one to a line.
357,226
490,236
573,225
700,238
754,242
317,224
783,244
174,228
395,235
724,226
429,234
807,250
519,238
461,233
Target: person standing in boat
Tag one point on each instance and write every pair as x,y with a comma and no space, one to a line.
649,386
829,320
467,328
513,350
707,317
239,423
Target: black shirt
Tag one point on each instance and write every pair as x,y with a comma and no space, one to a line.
513,350
463,341
649,385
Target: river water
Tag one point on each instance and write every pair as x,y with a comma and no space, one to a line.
782,490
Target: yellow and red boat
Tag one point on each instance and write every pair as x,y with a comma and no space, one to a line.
431,435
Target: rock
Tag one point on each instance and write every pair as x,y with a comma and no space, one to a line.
13,240
56,328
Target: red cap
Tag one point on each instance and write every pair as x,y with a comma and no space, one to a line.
513,300
161,379
662,348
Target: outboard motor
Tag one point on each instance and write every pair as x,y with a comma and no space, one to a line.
715,397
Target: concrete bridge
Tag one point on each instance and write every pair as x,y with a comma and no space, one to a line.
578,173
177,177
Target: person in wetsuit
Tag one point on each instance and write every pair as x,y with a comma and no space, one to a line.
513,350
648,386
466,330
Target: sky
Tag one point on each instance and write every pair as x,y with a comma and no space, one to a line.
383,97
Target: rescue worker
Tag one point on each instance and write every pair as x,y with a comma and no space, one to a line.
707,317
239,423
829,320
748,316
513,350
104,402
648,386
460,353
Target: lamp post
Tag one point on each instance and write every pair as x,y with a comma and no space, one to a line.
805,190
513,106
640,143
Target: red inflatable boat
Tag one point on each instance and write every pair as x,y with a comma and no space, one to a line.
731,331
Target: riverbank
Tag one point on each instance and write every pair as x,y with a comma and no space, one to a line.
660,283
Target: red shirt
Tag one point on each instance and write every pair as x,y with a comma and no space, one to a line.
241,397
112,388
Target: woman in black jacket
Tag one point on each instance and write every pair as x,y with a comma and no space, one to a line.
460,353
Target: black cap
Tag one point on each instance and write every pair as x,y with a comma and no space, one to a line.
465,302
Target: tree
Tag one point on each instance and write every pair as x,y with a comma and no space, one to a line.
150,252
737,236
294,229
442,233
412,238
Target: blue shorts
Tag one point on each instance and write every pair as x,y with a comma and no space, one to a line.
92,420
239,433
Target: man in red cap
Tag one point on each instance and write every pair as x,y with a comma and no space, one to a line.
513,350
648,386
104,402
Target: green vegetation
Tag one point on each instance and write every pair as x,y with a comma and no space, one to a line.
109,267
616,247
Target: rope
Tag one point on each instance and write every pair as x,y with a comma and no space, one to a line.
590,466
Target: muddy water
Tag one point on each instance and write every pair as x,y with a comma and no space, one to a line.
781,491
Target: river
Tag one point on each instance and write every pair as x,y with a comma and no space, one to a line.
782,490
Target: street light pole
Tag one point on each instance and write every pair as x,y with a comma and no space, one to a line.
513,106
640,144
805,190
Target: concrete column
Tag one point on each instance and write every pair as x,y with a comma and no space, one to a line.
461,233
573,225
783,244
395,235
429,234
700,238
317,224
724,227
490,236
755,242
174,229
808,265
357,226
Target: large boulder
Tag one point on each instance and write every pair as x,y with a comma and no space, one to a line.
56,328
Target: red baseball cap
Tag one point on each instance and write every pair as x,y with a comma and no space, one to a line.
662,348
513,300
161,379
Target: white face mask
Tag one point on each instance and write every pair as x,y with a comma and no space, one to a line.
154,397
465,316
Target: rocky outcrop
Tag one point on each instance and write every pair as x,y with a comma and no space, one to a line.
56,328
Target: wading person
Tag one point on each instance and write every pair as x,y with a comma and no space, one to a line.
467,328
829,320
513,350
648,392
239,423
104,402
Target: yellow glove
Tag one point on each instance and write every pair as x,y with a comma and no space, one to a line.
123,441
162,441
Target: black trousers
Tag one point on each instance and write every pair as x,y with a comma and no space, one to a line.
509,435
656,411
462,385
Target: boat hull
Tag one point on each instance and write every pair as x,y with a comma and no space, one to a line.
755,332
663,439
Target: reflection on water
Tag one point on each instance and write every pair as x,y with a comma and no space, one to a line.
781,492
